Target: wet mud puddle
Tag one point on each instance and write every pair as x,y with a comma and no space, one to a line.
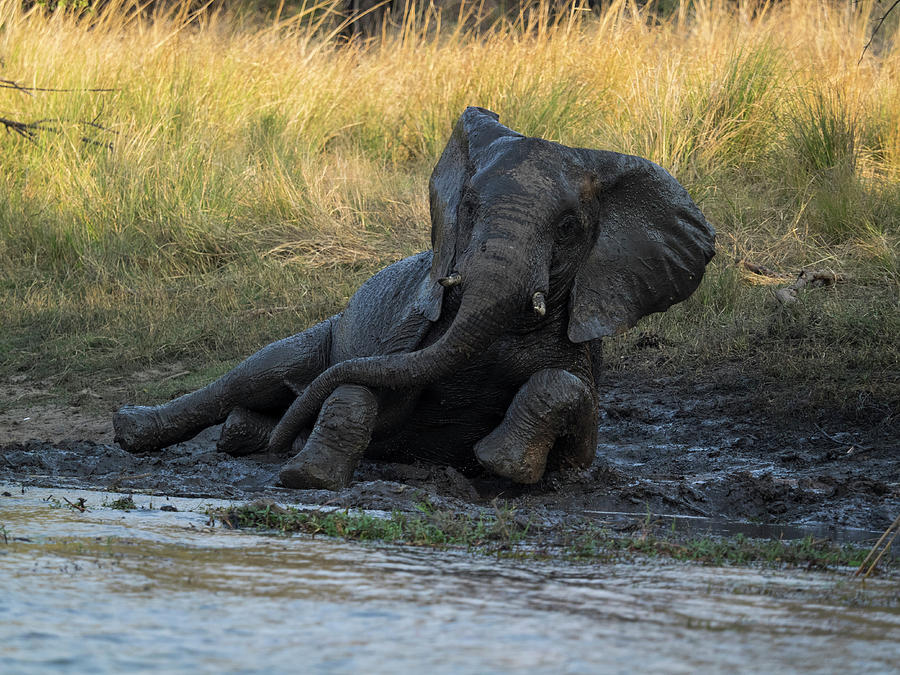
112,591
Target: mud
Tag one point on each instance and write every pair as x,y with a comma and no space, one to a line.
667,447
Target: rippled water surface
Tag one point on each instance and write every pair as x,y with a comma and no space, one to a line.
112,591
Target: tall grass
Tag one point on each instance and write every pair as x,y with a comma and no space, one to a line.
260,169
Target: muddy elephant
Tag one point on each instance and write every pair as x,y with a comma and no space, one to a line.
483,352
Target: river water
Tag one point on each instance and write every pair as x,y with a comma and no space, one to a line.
152,590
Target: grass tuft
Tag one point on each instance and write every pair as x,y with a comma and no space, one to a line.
125,503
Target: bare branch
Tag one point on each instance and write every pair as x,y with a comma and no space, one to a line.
11,84
24,129
29,130
762,270
877,28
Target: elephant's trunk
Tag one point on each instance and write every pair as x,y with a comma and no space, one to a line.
485,310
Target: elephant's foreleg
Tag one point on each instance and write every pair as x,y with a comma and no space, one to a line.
264,382
337,442
553,408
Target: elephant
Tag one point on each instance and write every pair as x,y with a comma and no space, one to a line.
482,353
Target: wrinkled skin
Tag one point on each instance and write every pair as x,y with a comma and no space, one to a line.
482,352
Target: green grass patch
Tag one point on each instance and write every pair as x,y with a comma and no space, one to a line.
431,527
503,533
737,550
125,503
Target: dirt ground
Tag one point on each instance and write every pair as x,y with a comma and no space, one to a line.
667,446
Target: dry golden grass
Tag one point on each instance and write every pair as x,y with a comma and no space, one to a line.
262,163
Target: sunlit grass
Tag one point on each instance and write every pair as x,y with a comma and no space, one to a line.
259,170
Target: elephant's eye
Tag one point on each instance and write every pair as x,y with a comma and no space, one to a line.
568,227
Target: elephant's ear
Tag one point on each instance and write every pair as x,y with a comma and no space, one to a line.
652,245
468,149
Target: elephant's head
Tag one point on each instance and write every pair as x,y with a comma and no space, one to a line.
524,225
525,230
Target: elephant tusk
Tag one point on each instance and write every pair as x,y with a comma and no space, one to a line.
539,303
450,281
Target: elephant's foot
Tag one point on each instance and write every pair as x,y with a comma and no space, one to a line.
553,409
316,467
336,443
138,428
244,433
513,458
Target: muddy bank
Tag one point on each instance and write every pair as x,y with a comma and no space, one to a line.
666,446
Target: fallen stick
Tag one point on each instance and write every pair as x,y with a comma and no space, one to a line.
857,450
762,270
829,436
78,506
270,310
121,478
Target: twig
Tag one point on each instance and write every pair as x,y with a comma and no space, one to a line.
852,450
24,129
11,84
762,270
829,436
79,506
895,527
270,310
877,28
121,478
28,130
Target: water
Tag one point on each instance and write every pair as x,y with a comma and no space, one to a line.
112,591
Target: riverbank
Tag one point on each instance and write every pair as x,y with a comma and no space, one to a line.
677,460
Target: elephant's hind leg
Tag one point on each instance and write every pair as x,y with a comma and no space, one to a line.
553,408
262,383
245,432
337,442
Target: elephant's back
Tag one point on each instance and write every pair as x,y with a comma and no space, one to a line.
384,316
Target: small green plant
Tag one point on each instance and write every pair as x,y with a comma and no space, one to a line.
53,502
125,503
79,504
